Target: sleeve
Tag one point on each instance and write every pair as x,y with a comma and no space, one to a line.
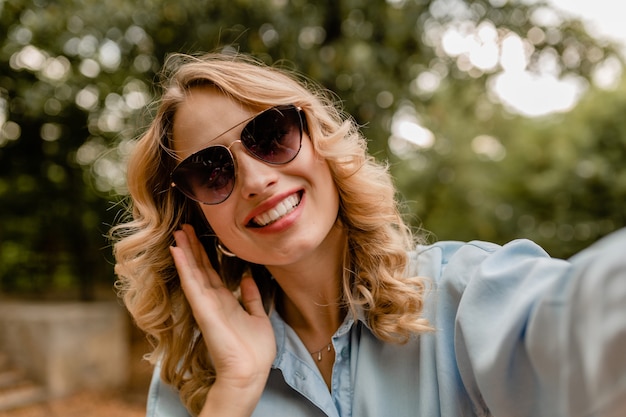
163,400
537,336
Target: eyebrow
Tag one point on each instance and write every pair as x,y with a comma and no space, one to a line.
238,124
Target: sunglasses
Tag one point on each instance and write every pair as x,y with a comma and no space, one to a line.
273,136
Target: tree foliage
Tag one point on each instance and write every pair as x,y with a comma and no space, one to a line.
76,75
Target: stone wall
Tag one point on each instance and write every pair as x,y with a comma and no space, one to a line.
67,346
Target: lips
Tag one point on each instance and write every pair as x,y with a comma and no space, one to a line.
277,212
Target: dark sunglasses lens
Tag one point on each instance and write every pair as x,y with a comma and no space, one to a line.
207,176
274,136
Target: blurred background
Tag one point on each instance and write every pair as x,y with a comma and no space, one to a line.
500,119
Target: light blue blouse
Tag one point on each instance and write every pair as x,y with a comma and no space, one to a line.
517,334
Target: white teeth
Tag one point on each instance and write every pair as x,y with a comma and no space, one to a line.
282,208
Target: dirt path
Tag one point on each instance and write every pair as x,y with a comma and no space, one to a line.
85,404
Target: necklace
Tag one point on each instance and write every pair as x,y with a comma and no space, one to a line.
319,352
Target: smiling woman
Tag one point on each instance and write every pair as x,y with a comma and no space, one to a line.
268,262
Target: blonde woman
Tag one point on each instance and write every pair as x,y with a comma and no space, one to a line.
266,258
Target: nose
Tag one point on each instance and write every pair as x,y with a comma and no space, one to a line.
254,177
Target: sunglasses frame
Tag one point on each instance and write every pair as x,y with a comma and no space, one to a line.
286,107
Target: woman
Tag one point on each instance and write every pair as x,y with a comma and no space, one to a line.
267,260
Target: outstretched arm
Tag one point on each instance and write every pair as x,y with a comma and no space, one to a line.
541,336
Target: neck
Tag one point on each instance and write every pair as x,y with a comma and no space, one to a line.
310,296
310,299
308,317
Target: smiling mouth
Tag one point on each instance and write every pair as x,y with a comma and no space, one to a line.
277,212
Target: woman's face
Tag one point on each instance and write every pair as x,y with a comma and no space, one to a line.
276,215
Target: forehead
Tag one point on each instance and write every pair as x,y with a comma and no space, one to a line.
203,116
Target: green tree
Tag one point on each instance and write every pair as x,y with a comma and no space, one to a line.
558,180
75,76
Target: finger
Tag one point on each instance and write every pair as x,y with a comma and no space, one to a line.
183,255
251,297
197,258
188,280
197,246
196,287
194,244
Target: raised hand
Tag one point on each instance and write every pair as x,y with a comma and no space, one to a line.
239,339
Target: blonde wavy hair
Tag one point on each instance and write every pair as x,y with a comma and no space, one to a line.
375,257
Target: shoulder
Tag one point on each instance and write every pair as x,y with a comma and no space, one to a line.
463,261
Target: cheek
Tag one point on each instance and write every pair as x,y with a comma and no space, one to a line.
323,173
326,185
217,219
